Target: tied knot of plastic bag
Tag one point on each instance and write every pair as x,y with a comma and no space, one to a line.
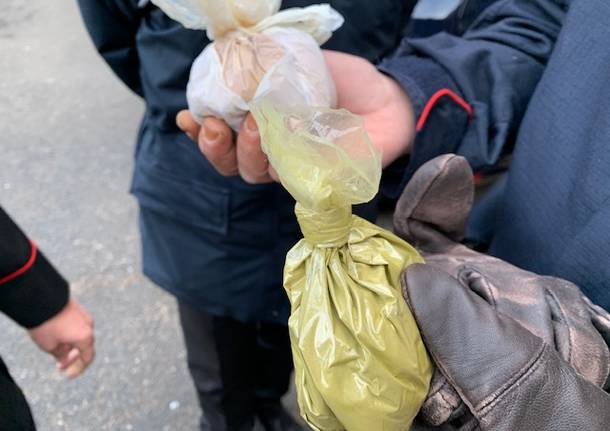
325,229
219,17
323,157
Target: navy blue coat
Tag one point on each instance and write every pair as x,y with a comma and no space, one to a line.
214,242
532,74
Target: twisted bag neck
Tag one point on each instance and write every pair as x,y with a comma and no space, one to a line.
325,229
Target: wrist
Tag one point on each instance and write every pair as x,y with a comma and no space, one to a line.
441,116
36,295
404,113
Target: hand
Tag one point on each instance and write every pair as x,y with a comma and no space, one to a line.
230,157
507,378
467,321
68,336
361,88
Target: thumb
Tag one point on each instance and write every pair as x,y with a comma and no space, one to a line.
478,350
438,198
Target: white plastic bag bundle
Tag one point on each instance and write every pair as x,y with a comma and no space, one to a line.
255,46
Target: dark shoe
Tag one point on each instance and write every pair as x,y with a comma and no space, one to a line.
274,417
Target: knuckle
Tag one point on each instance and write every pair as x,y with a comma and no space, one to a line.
251,177
226,168
86,337
249,144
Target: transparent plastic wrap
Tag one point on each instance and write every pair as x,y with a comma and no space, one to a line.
251,37
360,362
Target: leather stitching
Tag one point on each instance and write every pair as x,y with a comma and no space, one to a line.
440,388
447,402
439,364
519,378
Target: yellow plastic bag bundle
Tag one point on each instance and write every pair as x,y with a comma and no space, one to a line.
360,363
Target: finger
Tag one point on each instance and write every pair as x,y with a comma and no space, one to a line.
600,319
85,346
216,144
79,363
88,355
438,198
251,160
477,349
68,359
61,352
186,122
86,349
75,369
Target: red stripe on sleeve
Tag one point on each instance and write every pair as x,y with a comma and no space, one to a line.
25,268
435,98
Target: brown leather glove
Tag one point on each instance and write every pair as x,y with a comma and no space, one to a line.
514,350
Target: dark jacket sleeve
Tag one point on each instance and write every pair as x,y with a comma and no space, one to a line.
470,92
31,290
112,25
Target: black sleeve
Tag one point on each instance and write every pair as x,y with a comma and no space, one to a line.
112,25
31,290
470,92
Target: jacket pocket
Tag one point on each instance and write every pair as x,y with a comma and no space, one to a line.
191,202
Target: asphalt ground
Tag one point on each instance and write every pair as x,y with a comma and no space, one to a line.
67,129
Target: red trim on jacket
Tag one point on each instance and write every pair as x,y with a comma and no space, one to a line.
25,268
435,98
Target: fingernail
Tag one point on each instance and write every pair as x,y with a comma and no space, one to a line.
251,126
211,136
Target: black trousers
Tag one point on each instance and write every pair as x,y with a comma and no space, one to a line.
237,367
15,414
